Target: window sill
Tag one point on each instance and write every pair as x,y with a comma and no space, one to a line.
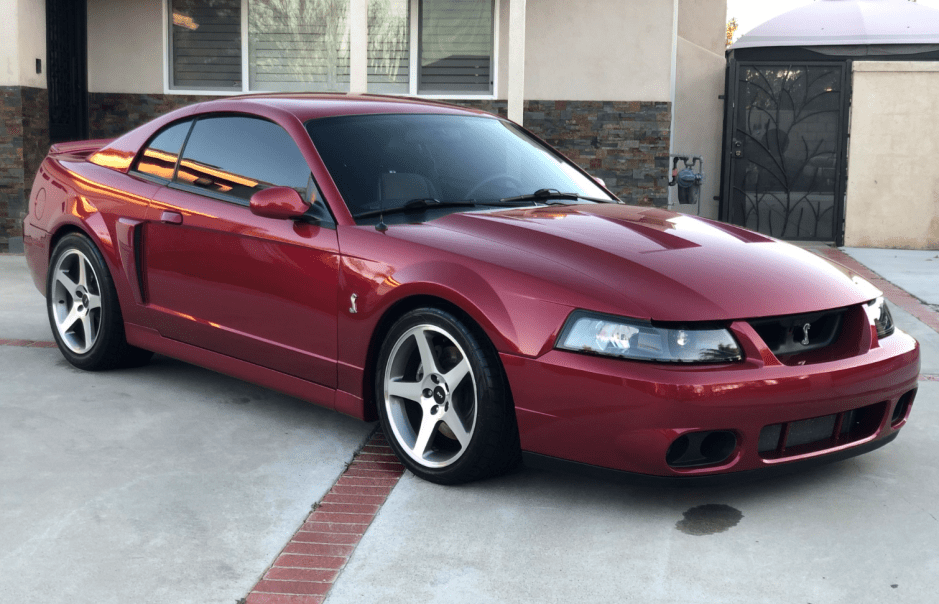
429,97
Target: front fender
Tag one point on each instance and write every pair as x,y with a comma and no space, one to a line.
516,323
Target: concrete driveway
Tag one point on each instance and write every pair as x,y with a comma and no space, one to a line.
167,483
173,484
861,531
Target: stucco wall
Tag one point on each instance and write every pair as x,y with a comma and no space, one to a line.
125,46
605,50
598,50
699,83
893,178
32,41
9,45
22,42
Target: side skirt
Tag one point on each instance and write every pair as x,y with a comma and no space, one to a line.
150,339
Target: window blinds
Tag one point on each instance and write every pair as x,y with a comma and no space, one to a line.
206,44
456,46
388,46
299,45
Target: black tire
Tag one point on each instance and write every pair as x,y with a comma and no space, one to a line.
83,309
456,423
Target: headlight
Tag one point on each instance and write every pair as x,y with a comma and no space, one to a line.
631,339
879,313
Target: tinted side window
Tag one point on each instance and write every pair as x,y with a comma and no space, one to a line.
240,155
159,158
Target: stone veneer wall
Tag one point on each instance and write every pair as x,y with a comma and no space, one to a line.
35,133
24,141
111,114
623,142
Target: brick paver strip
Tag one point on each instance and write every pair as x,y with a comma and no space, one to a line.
304,571
27,343
898,296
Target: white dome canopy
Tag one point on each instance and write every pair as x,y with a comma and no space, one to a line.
847,23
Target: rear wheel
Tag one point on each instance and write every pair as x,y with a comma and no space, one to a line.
443,400
83,309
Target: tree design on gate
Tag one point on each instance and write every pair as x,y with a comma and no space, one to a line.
786,150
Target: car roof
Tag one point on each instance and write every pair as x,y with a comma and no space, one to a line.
306,106
118,154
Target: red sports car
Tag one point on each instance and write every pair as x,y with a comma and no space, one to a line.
448,273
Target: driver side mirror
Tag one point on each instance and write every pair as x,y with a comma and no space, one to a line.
278,202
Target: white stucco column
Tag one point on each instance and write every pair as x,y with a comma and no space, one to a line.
673,91
516,83
358,46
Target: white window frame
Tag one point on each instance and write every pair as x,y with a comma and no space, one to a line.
414,66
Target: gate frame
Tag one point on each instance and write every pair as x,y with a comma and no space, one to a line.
731,90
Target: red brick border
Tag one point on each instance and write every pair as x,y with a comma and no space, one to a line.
898,296
306,568
27,343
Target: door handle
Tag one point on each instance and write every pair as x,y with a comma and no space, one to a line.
171,217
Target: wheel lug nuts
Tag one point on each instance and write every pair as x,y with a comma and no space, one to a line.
428,393
433,410
435,379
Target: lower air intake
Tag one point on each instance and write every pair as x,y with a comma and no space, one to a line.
789,439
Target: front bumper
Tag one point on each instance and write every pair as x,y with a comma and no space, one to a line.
625,415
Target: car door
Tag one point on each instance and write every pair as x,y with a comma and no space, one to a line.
258,289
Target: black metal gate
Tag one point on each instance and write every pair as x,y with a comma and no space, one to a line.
67,69
784,169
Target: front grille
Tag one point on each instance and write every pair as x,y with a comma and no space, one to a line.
819,433
793,334
813,337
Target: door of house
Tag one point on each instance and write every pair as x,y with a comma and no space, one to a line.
67,69
786,149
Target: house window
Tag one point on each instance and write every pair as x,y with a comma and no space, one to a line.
205,44
434,47
298,45
456,46
389,46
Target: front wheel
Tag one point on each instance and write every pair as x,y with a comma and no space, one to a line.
443,399
83,309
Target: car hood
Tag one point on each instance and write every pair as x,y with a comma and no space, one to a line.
660,265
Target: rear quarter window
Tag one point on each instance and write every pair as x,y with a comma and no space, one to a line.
238,156
159,157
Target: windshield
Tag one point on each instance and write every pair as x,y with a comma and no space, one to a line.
382,162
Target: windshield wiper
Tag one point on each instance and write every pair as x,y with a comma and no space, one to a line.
546,194
421,203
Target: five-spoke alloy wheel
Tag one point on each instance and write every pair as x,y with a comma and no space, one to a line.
76,301
83,308
443,400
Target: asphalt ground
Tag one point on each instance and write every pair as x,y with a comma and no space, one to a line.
174,484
